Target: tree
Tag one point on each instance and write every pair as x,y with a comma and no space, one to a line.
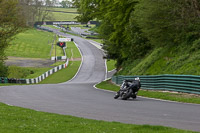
36,10
169,22
66,4
11,23
114,16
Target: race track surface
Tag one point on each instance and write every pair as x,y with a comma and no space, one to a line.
79,98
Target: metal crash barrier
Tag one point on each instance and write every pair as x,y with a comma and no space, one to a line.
178,83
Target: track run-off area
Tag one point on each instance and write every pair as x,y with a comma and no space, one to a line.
78,97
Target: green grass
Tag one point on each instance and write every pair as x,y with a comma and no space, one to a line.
97,40
69,72
10,84
20,120
25,72
183,59
59,51
179,97
64,9
64,74
31,44
58,63
72,51
59,16
111,65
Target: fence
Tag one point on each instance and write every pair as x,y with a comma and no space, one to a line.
178,83
34,80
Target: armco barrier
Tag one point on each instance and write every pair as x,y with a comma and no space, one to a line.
178,83
46,74
34,80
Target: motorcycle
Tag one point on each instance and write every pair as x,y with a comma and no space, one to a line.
129,88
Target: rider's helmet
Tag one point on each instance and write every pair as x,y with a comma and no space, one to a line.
137,78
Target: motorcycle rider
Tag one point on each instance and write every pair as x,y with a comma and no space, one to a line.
133,84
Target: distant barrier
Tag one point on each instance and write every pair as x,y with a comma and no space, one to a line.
46,74
178,83
4,80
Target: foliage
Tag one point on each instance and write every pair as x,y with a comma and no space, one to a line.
66,3
134,30
36,10
25,72
169,22
3,69
11,23
182,59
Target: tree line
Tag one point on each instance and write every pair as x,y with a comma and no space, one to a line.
132,28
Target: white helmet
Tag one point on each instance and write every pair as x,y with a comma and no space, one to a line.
137,78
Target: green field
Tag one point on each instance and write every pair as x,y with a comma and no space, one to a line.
66,14
31,44
64,9
59,16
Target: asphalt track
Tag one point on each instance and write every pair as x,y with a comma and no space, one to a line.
79,98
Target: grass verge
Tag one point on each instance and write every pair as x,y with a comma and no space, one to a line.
72,51
111,65
179,97
25,72
64,74
31,44
19,120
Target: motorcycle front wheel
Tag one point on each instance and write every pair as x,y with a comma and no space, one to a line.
127,94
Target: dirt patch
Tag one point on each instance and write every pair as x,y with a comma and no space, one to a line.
75,59
28,62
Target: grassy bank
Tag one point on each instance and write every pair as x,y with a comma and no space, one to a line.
72,51
183,59
63,14
25,72
64,74
19,120
31,44
111,65
179,97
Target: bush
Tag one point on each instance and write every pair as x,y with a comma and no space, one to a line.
18,72
3,69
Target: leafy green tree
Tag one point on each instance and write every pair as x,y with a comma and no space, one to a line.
168,22
131,28
11,23
66,3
